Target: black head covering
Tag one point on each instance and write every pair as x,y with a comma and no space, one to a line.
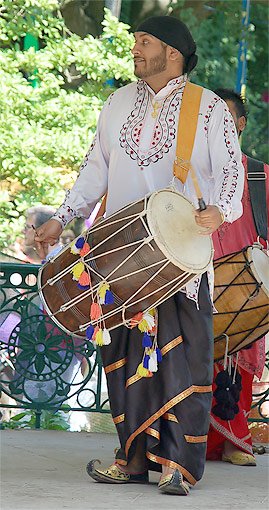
175,33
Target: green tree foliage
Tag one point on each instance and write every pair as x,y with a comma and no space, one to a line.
45,130
216,27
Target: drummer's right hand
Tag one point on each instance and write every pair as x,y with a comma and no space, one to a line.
47,234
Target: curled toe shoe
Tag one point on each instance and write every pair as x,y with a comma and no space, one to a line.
174,484
113,474
239,458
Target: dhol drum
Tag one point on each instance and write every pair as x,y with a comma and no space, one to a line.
144,253
241,297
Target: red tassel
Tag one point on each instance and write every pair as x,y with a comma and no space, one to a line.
136,319
96,311
84,279
85,250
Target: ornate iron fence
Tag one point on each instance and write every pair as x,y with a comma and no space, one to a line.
41,367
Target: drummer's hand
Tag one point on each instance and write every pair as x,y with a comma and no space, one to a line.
210,219
47,234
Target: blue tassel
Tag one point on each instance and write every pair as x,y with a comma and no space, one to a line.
146,361
109,298
89,332
83,287
146,342
80,242
159,355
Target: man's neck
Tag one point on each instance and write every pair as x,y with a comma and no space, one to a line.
158,82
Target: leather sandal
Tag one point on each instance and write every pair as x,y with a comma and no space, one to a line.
239,458
113,474
174,484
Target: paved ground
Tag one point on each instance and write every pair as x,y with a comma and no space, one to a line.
45,470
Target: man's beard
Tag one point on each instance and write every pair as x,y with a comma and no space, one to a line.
155,66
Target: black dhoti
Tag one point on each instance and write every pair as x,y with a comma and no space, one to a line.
172,407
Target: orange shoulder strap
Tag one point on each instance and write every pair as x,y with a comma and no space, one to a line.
187,125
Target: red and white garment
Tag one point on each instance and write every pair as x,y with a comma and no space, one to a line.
228,239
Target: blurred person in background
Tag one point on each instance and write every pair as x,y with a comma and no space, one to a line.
230,440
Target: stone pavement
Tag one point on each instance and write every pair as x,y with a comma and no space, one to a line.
45,470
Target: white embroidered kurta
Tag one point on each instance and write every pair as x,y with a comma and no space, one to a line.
133,153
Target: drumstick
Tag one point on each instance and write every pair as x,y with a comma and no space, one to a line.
201,202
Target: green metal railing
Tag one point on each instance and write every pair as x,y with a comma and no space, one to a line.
41,367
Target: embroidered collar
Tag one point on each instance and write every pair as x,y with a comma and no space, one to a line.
173,84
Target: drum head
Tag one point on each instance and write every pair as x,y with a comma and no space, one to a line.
260,266
171,221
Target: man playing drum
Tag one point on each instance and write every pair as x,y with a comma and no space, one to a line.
162,421
230,440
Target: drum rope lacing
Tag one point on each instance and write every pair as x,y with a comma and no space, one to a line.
243,308
83,268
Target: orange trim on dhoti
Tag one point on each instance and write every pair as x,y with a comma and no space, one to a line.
170,417
173,343
195,439
173,465
153,432
171,403
114,366
119,419
132,380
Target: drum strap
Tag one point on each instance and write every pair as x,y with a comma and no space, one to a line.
187,126
257,191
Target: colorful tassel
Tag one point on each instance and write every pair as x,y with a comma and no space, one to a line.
109,298
106,337
79,242
153,365
95,311
143,326
96,329
143,372
85,250
150,319
89,332
74,249
77,270
103,287
146,361
99,338
136,319
159,355
84,279
146,342
83,287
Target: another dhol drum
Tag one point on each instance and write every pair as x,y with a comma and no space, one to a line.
241,297
146,252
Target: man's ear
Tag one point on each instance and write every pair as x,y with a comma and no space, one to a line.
241,123
174,54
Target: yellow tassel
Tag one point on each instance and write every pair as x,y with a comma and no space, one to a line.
142,371
103,287
77,270
143,326
74,249
99,338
